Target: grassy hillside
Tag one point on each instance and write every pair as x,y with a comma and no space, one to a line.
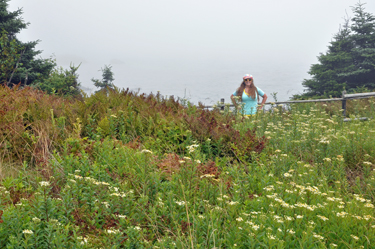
136,171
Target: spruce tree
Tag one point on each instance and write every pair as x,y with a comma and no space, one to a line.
30,69
62,82
363,38
349,62
107,79
9,56
338,59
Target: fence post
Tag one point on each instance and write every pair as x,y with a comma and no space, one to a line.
222,104
343,104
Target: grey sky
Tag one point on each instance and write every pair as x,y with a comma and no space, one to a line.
190,34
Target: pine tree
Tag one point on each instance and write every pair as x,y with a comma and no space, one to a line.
11,21
62,82
107,79
338,59
29,68
9,56
363,38
349,62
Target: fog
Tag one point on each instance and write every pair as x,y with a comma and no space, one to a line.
202,47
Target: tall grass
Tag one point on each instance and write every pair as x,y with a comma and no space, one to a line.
136,171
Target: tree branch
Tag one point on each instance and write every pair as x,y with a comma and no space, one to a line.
19,59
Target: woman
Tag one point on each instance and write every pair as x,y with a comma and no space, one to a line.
248,93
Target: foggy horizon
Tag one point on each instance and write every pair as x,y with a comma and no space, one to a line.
156,45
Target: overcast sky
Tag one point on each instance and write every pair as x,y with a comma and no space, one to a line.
156,34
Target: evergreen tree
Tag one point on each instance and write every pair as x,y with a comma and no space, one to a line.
9,56
11,21
349,62
107,79
363,38
29,67
325,75
62,82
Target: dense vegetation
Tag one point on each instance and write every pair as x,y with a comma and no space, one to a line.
122,170
349,63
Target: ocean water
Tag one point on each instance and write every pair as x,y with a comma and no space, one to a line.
209,82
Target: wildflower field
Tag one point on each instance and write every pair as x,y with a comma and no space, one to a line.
130,170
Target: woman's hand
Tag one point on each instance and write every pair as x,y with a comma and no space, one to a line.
263,102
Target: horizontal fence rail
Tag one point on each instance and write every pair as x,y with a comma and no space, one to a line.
359,95
343,99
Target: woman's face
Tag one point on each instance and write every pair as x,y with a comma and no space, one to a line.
248,82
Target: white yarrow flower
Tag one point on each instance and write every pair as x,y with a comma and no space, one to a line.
44,184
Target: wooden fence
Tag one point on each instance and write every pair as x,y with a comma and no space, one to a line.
343,99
